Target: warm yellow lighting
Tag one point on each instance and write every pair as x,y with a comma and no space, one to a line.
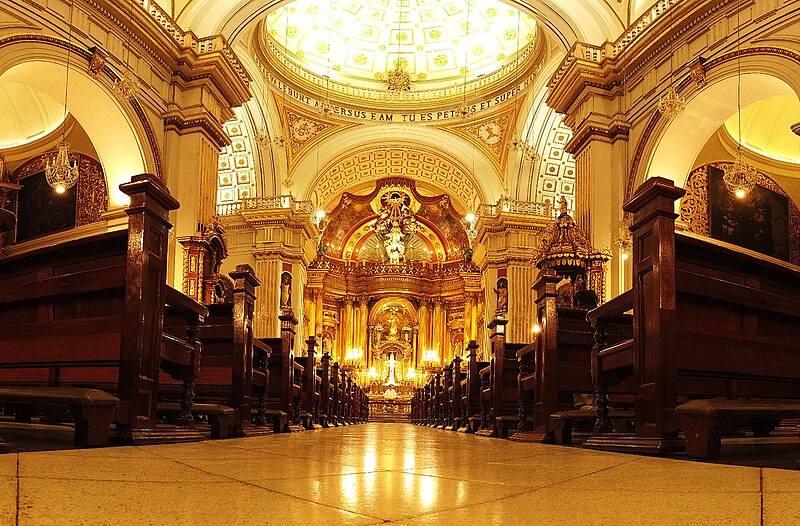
353,355
624,256
741,194
411,373
320,215
352,40
470,217
60,189
537,329
430,356
373,373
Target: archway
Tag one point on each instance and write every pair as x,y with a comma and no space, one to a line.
98,113
679,142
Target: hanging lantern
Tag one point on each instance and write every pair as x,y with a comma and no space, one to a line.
61,175
740,177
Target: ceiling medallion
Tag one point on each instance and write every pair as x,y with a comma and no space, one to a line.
671,104
398,78
740,177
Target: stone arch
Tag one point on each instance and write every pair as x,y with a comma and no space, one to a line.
669,148
120,133
440,160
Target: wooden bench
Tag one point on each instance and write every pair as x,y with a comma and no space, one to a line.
283,396
471,391
557,365
222,419
93,410
499,390
454,393
309,386
234,370
89,313
710,320
704,421
562,423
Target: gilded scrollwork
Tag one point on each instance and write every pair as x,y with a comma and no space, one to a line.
694,205
695,214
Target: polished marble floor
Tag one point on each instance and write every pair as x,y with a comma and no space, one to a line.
384,473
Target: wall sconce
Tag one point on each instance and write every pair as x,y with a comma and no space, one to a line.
537,329
354,355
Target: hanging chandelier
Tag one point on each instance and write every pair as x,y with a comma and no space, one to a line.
525,148
671,104
61,175
740,177
127,87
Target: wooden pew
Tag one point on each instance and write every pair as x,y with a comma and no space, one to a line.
557,365
335,414
310,384
499,402
711,320
326,391
284,391
233,379
471,408
454,394
89,313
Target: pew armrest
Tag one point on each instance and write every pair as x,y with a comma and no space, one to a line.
181,302
612,308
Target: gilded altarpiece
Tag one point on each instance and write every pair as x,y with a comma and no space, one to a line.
389,284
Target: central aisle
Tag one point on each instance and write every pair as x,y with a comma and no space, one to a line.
377,473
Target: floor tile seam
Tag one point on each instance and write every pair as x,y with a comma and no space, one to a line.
254,485
144,481
529,491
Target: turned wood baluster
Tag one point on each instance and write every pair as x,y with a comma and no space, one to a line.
187,399
525,368
603,424
484,403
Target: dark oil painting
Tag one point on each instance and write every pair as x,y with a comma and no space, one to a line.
41,210
759,222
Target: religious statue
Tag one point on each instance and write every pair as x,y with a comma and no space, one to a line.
395,225
502,296
286,290
394,324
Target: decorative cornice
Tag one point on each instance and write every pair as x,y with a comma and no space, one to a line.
206,125
602,133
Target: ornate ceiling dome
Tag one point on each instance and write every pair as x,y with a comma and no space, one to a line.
437,43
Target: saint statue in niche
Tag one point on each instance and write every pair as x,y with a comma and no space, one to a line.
286,290
394,324
502,296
